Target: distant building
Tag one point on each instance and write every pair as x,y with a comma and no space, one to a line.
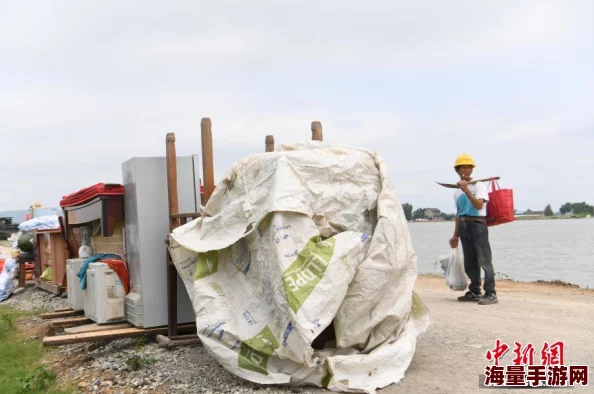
432,213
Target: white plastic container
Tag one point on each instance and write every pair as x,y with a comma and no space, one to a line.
104,295
75,293
85,250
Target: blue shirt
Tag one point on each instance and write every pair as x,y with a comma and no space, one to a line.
463,204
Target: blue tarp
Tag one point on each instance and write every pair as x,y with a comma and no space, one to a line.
82,273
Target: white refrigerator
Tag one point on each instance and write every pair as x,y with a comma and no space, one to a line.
146,210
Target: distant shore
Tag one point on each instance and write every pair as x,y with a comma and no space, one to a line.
555,217
538,282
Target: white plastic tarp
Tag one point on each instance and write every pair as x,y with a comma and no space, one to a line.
291,242
49,222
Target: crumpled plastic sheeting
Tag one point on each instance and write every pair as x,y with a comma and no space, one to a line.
49,222
6,276
291,242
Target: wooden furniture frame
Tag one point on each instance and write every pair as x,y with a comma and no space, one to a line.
58,254
177,219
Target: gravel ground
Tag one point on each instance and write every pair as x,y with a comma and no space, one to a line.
109,368
35,299
448,359
134,365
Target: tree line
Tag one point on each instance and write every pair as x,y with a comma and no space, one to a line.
576,208
419,213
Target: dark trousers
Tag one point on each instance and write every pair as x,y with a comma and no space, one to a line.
477,255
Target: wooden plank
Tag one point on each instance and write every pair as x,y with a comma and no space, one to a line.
40,255
192,215
62,310
96,327
22,275
178,337
166,339
53,231
76,321
18,291
58,256
56,315
109,335
48,286
181,342
71,246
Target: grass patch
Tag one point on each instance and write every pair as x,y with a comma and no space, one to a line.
21,367
141,342
501,276
137,362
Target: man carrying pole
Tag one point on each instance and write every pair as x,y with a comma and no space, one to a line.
471,228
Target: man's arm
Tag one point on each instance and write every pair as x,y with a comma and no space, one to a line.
454,239
476,203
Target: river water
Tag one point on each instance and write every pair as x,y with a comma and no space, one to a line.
524,250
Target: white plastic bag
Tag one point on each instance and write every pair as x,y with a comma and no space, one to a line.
444,262
455,275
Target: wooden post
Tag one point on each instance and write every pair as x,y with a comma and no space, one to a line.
172,180
207,158
22,274
173,223
316,131
269,141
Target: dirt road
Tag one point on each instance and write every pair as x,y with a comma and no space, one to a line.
451,355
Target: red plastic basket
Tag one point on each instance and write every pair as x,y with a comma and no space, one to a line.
88,193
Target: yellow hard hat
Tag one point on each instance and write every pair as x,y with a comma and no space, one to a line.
464,160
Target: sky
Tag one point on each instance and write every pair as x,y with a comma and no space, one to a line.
85,86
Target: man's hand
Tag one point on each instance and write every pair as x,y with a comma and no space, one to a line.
463,185
454,242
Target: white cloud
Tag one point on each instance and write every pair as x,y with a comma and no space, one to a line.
85,86
262,32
